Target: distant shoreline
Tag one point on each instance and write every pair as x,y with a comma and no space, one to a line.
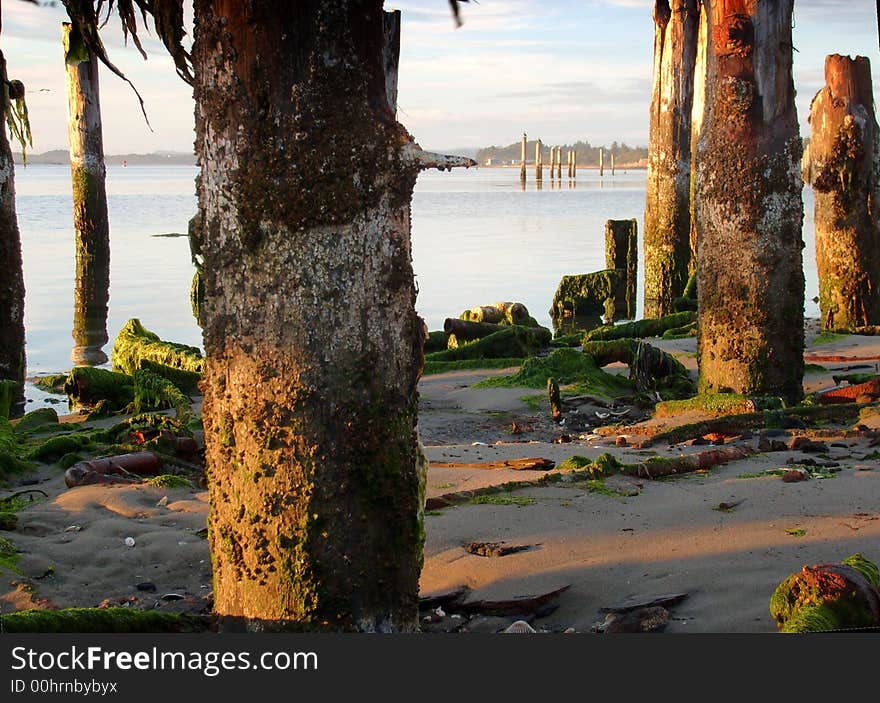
61,157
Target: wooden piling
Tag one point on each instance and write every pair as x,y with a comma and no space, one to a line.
843,152
601,161
612,163
622,252
522,159
539,166
749,207
91,226
391,55
559,162
574,164
668,196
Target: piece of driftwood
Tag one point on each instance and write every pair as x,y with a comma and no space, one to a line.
113,469
514,606
514,464
685,464
666,600
447,599
849,394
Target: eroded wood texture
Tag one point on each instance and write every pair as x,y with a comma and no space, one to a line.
749,207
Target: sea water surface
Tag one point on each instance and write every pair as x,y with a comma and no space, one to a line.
477,238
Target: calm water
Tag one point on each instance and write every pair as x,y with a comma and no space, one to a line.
477,239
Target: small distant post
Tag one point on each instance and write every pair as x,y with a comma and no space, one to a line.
539,166
559,162
574,164
552,162
622,252
522,159
601,161
612,163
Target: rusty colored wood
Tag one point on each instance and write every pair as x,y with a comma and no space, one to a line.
841,164
749,206
850,394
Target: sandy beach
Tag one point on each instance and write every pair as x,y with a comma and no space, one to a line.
725,537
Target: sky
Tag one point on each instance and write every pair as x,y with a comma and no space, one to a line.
560,70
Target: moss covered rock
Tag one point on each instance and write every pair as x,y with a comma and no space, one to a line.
589,295
827,597
135,343
511,341
37,418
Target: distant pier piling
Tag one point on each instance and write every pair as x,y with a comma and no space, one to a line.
559,162
612,163
539,166
601,161
522,159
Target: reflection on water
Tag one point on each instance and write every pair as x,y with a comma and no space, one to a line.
478,237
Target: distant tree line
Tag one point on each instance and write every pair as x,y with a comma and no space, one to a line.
587,154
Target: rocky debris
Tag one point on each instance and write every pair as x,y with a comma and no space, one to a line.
807,445
494,549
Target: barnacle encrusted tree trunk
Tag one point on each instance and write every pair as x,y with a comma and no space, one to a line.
844,161
12,359
749,207
313,347
90,222
667,205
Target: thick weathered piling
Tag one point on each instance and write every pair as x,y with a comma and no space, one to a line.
844,155
90,222
667,204
749,208
12,360
559,162
622,252
698,117
601,161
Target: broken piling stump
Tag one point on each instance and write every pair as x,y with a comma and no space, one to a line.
843,154
621,252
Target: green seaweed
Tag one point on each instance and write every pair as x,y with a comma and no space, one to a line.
51,383
154,392
135,343
9,391
36,419
436,341
8,556
828,338
435,367
650,327
101,620
603,465
717,404
509,342
169,481
502,500
567,366
90,385
52,449
865,567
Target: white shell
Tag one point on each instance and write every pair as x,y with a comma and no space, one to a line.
519,627
129,541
